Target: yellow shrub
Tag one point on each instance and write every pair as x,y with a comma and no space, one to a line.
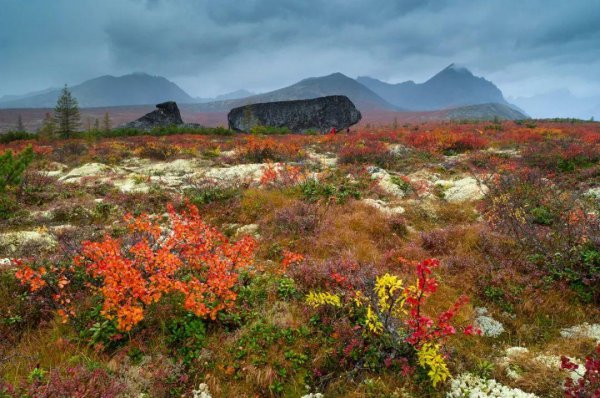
316,299
429,356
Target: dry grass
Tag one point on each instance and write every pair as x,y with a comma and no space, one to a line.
354,230
50,347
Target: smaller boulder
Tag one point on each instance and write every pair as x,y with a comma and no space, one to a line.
166,114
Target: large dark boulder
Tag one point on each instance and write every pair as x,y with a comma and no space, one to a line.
166,114
298,116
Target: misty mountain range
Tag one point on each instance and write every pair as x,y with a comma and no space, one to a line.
132,89
454,87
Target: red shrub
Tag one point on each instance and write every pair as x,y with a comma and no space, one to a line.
589,384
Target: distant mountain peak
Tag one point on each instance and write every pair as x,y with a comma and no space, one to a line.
454,86
338,76
454,71
458,68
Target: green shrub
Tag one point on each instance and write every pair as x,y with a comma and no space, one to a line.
98,331
186,336
8,206
556,230
542,216
286,288
12,167
157,132
313,190
16,136
11,172
203,194
402,184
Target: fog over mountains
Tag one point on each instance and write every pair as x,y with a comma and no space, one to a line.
453,87
560,103
132,89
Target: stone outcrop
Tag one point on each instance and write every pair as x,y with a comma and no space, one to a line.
320,114
165,114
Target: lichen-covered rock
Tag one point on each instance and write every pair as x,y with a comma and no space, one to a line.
11,242
166,114
383,207
248,229
323,160
301,115
87,170
131,185
238,173
386,181
462,190
177,167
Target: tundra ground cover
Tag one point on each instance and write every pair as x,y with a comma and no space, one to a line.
374,263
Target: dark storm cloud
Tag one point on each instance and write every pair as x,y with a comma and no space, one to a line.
210,47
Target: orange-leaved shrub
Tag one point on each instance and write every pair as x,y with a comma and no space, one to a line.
186,257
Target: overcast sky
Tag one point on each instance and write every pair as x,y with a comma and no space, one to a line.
212,47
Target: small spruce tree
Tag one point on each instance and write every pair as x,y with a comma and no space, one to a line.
20,126
66,113
88,123
106,122
48,127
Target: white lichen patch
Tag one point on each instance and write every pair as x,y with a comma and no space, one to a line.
593,193
585,330
383,207
201,392
468,385
488,325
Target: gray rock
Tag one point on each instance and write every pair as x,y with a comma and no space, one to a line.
166,114
319,114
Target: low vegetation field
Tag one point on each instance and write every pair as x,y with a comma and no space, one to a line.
416,260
